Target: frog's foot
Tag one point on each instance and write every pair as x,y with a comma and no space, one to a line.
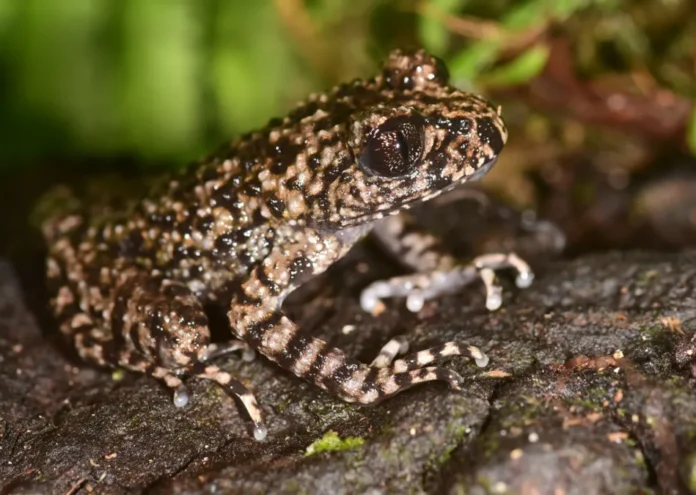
173,381
420,287
398,346
235,388
383,379
230,384
215,351
418,360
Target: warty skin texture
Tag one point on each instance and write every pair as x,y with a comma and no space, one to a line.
253,221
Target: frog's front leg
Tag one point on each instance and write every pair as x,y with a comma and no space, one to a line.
437,271
256,317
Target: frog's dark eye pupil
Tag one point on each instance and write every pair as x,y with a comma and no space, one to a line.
394,148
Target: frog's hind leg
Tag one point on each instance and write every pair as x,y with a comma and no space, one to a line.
437,271
163,331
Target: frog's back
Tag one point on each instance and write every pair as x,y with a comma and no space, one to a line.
208,227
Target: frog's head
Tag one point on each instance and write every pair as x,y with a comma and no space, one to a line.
408,137
374,147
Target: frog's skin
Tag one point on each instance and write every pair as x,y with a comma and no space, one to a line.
246,226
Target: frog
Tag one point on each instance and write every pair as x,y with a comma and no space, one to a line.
246,226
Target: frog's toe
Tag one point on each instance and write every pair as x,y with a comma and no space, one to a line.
235,388
420,287
420,359
174,382
260,432
181,396
379,381
524,279
393,348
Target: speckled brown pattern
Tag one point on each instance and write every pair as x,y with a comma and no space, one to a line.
249,224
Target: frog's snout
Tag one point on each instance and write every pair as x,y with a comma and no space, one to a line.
492,134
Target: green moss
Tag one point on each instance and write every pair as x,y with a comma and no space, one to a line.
293,486
640,459
283,405
459,489
118,375
331,442
456,434
646,278
387,427
651,330
134,422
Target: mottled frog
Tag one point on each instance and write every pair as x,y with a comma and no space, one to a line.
249,224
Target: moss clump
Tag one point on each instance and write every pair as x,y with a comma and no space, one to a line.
331,442
118,375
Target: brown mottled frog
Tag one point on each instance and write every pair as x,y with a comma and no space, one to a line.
255,220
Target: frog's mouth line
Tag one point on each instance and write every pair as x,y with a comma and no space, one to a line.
477,175
393,210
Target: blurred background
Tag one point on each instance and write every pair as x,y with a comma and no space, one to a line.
598,94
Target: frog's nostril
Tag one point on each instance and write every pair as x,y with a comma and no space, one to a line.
490,134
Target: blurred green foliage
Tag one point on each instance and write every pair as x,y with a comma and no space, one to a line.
169,79
146,77
515,18
155,78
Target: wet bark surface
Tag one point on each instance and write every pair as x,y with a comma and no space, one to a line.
590,389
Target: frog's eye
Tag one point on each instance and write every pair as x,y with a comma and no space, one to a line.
394,148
